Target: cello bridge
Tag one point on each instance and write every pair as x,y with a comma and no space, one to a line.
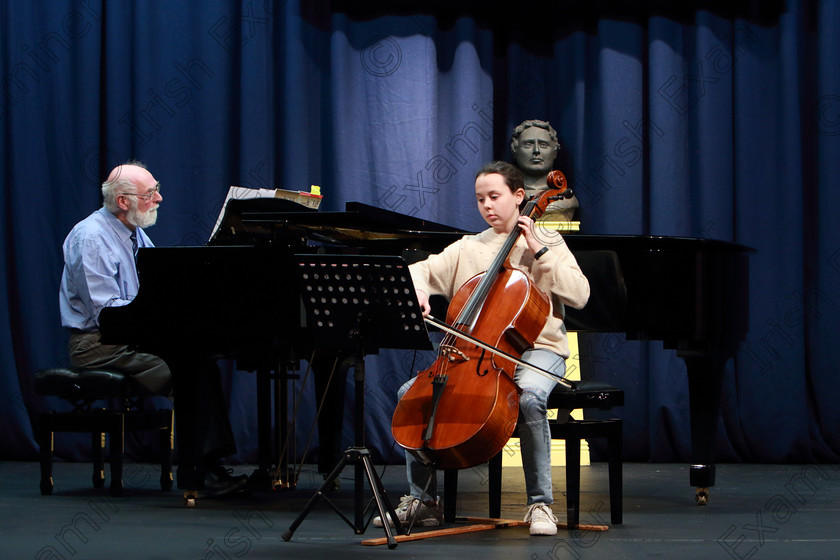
452,352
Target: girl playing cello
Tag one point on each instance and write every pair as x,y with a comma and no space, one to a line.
499,192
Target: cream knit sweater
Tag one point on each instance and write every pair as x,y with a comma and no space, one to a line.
556,273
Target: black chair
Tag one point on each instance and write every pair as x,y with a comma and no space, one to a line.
604,312
82,388
591,394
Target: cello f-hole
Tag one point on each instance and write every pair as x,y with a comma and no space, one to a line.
478,364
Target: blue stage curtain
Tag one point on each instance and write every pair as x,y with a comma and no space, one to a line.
702,121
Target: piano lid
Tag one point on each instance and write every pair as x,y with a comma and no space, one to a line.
261,221
680,290
584,242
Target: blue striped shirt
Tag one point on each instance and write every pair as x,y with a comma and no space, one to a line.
99,269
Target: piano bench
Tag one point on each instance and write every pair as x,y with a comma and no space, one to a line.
588,394
82,388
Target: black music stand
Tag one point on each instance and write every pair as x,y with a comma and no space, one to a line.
368,302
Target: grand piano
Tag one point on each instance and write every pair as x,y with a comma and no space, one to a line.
238,297
691,294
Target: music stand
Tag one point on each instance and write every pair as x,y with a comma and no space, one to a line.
370,303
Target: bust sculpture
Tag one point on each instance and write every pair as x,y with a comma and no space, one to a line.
534,146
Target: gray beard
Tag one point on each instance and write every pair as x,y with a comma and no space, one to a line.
142,219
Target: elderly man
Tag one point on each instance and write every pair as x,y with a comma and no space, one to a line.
100,271
534,146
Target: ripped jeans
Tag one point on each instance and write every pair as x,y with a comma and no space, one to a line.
532,428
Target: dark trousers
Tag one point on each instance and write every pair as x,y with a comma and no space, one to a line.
203,414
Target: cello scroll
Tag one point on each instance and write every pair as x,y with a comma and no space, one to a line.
556,180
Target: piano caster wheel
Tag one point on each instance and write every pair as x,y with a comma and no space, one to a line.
189,498
701,496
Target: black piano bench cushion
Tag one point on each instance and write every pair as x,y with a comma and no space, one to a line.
588,394
85,385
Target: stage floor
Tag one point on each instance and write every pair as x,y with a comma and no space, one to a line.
756,512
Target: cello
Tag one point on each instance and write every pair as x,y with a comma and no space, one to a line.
462,410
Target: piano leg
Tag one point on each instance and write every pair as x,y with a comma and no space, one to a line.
273,449
262,478
202,426
705,377
189,476
330,371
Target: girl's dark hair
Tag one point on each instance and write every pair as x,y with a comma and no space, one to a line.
511,174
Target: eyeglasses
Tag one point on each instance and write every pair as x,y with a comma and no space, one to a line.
147,195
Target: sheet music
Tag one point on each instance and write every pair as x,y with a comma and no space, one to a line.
310,200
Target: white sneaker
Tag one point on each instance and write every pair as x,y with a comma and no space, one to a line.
543,521
430,513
